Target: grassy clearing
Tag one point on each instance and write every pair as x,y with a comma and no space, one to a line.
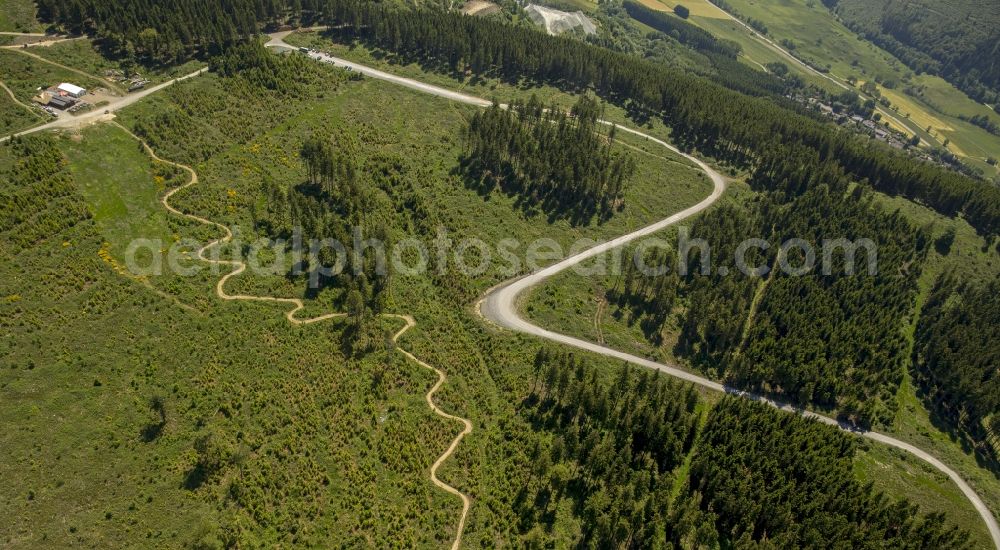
19,16
895,472
85,55
110,345
971,260
15,117
122,185
25,75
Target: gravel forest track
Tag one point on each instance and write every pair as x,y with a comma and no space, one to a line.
238,267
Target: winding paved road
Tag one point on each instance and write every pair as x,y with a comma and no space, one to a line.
500,303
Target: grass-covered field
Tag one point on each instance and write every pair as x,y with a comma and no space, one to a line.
971,259
127,389
19,16
323,448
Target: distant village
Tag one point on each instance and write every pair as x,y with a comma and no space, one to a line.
872,127
877,129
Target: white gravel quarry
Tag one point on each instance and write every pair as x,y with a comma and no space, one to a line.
557,22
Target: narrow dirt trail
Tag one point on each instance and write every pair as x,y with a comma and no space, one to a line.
42,43
409,322
18,101
89,76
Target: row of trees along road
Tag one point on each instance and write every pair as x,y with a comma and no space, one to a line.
551,158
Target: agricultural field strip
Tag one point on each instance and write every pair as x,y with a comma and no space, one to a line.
771,44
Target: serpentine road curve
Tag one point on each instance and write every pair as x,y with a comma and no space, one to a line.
499,305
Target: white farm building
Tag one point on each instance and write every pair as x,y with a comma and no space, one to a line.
72,90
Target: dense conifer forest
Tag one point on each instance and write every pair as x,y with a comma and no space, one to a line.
562,162
610,448
957,353
763,332
613,448
722,123
775,480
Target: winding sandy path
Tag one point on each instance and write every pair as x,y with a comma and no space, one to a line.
409,322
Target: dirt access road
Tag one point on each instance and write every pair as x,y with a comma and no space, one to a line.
102,114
